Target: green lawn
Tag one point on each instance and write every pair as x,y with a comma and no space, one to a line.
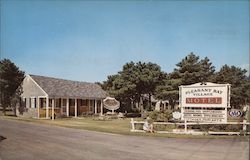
122,126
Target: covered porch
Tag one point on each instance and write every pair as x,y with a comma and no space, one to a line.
48,107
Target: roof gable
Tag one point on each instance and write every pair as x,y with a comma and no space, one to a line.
31,88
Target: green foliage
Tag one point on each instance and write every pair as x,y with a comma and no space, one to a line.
189,71
218,127
158,116
192,70
161,127
240,85
135,80
10,82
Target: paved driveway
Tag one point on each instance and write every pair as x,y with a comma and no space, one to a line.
27,141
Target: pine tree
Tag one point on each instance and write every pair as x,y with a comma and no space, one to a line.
239,84
135,80
10,82
189,70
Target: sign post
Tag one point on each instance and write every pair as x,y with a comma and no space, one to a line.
185,126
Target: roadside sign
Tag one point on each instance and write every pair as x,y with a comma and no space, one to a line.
235,113
205,102
176,115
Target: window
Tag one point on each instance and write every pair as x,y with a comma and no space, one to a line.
43,102
50,102
84,102
64,102
32,102
29,102
71,102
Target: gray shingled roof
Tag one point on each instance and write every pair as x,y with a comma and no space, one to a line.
55,87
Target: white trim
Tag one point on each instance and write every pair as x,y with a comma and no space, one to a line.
42,96
38,106
199,84
61,105
95,104
53,109
101,107
36,84
47,107
67,107
75,107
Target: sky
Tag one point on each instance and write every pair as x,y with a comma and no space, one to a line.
89,40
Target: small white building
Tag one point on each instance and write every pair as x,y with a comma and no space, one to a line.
46,97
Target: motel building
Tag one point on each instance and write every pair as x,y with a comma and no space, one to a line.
47,97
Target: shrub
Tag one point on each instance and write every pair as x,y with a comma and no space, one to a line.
248,128
132,115
218,127
159,116
160,127
234,128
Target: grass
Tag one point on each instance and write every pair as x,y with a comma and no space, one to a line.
117,126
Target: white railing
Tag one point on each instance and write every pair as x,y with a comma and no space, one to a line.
186,131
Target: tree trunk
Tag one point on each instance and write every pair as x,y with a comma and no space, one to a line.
149,101
14,110
141,106
132,104
172,103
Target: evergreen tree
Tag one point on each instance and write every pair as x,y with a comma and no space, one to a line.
192,70
189,70
240,85
10,82
135,80
207,70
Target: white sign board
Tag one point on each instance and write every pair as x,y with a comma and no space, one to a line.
205,102
176,115
111,103
210,95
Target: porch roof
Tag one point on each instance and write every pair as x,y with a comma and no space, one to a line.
61,88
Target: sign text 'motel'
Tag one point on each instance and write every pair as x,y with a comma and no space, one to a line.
205,100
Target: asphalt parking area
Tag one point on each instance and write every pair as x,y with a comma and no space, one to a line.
41,142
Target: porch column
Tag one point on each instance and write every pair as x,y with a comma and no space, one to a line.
101,107
53,107
47,107
95,106
61,100
67,107
38,107
75,107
